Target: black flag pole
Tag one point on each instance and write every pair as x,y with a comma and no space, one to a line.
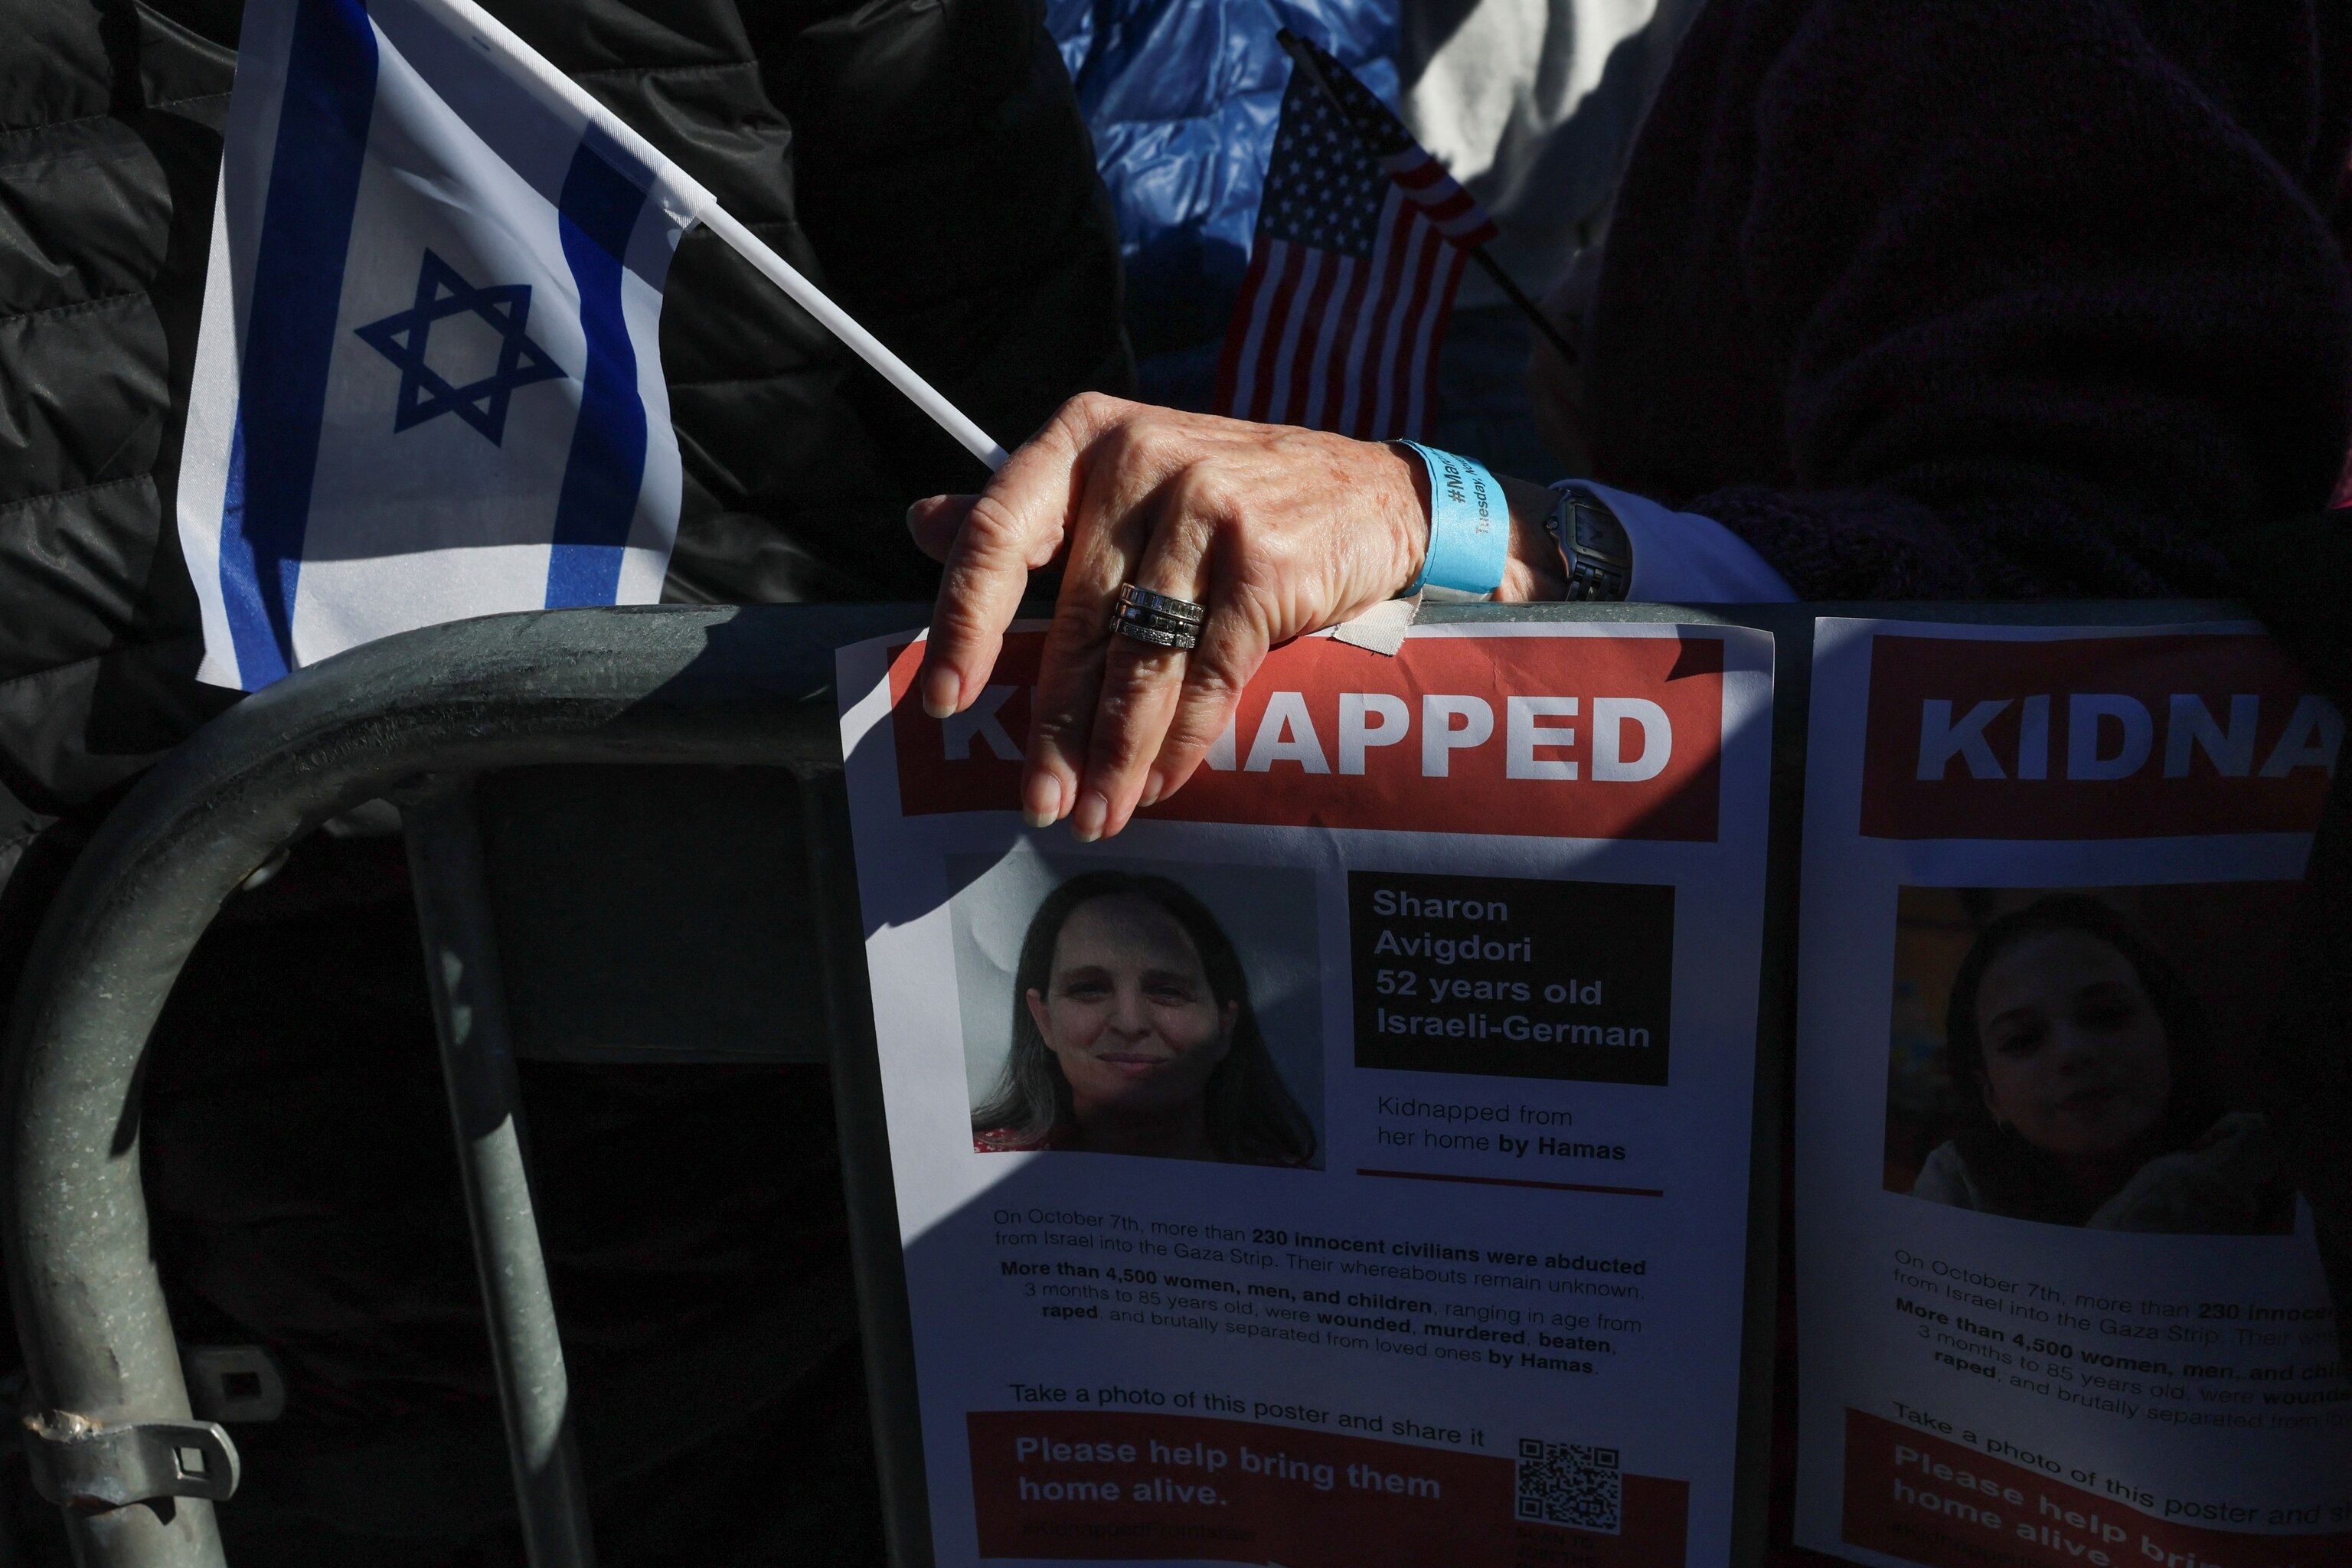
1517,296
1303,57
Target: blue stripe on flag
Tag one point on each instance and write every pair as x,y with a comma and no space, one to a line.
606,468
289,336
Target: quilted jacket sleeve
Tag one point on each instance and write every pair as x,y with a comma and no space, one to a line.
109,142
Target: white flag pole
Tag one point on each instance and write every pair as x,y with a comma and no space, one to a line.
842,325
500,43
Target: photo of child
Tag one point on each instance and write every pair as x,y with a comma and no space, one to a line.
2073,1056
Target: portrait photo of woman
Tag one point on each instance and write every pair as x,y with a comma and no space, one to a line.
1133,1033
2082,1075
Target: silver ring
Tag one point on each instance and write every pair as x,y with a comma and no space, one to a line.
1129,615
1158,636
1160,619
1162,605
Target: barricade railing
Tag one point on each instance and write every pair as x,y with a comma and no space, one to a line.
419,720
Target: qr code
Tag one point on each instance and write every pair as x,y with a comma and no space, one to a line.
1574,1484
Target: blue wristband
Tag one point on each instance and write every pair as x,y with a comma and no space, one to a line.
1469,530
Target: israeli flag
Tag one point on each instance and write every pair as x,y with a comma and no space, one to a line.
427,383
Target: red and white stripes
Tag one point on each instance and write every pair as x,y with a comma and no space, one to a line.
1347,344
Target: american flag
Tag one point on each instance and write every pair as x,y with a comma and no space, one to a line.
1361,238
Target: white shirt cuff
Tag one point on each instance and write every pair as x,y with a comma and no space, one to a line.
1682,558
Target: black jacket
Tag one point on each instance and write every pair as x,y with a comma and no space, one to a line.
1985,299
924,160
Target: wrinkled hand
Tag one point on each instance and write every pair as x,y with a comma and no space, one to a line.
1278,531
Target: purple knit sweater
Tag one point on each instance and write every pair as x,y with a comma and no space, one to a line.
1955,298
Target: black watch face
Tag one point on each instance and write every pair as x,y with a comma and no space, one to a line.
1598,531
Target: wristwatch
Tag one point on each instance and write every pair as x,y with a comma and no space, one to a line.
1592,544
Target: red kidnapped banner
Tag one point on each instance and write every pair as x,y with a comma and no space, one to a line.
1566,737
2124,737
1146,1487
1911,1495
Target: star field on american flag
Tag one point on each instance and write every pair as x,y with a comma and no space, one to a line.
1322,188
1361,241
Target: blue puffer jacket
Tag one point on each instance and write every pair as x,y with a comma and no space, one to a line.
1183,96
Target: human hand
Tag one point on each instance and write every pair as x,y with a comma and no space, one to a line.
1277,530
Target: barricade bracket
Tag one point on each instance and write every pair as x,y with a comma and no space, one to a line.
90,1467
233,1383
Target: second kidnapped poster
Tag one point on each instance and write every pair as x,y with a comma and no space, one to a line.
2059,1303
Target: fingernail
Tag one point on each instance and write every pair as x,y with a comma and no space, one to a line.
941,686
927,501
1086,822
1154,782
1041,801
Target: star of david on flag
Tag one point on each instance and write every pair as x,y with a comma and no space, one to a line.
428,384
405,336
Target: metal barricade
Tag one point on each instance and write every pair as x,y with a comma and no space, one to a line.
420,720
416,718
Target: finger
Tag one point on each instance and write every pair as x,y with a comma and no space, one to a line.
1106,538
987,572
1138,696
934,519
1141,682
1015,528
1233,646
